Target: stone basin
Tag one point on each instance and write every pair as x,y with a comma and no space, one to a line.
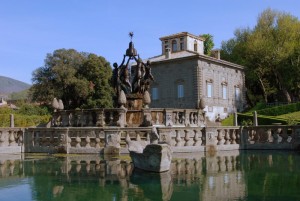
154,158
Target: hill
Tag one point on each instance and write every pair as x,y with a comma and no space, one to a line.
9,85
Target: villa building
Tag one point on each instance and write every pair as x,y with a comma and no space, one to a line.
184,76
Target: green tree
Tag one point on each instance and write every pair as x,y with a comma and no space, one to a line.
208,43
270,53
78,79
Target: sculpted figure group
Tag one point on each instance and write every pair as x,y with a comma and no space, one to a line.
141,74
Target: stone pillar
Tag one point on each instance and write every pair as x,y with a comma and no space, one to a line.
168,117
235,122
211,140
255,123
12,121
112,145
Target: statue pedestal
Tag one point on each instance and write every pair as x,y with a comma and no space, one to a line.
134,101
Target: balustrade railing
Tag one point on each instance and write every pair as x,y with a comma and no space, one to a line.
131,118
11,140
271,137
223,138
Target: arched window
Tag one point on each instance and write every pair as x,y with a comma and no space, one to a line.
195,46
174,45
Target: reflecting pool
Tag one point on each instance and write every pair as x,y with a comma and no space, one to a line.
246,175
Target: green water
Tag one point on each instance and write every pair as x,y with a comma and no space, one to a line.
251,175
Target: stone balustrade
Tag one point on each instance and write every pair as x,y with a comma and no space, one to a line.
184,139
181,139
223,138
11,140
82,140
128,118
271,137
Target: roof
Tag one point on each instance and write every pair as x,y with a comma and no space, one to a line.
180,35
188,54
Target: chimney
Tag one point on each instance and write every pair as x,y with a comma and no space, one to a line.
216,53
168,53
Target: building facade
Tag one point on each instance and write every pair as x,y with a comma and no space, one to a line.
184,77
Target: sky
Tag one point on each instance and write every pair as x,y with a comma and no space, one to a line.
30,29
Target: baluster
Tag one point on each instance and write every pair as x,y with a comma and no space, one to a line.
148,137
78,140
176,118
97,142
127,138
220,137
197,139
227,137
233,137
100,118
186,118
36,138
138,137
2,139
44,140
188,141
178,139
157,118
69,140
88,142
12,140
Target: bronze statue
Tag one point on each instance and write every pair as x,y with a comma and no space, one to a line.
137,83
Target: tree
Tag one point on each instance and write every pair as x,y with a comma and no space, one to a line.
80,80
270,53
208,43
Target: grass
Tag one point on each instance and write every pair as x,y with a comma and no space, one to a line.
294,115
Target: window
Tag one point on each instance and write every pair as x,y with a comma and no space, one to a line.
181,44
209,89
180,91
237,93
154,93
166,48
195,46
174,45
224,91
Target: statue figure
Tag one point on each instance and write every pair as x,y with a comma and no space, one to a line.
136,82
141,79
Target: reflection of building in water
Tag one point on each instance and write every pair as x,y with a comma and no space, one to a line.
192,177
224,179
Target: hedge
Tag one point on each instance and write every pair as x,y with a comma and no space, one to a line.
279,110
247,119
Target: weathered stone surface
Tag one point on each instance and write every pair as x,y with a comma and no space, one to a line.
155,158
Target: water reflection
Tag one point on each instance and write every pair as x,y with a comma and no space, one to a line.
226,176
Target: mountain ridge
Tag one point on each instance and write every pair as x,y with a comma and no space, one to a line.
9,85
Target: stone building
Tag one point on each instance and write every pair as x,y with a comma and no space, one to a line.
184,76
